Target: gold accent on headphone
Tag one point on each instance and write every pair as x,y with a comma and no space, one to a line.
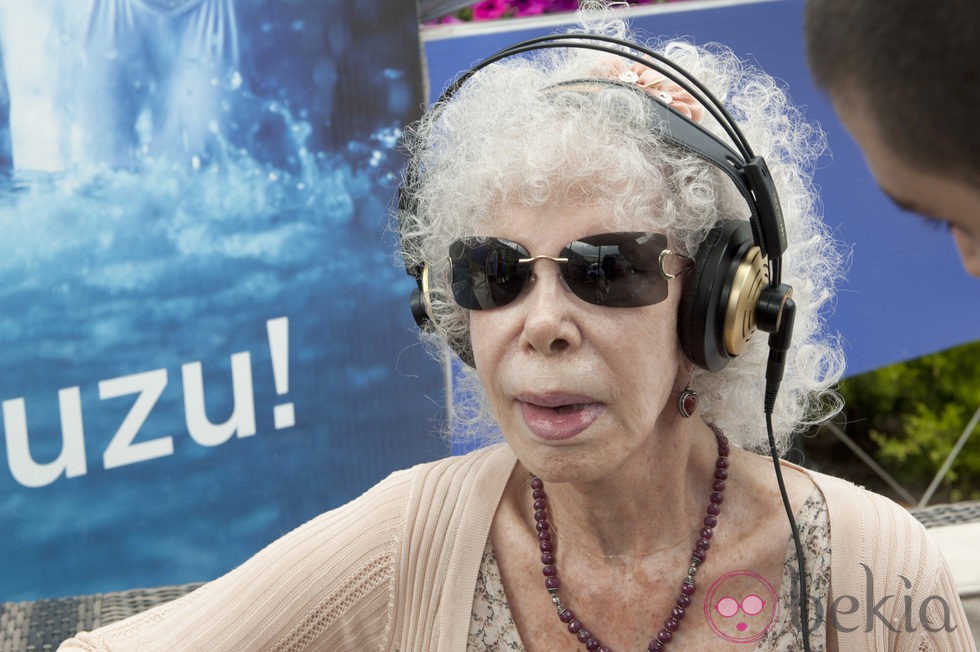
750,278
426,299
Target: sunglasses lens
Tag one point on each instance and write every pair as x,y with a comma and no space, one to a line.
620,270
485,273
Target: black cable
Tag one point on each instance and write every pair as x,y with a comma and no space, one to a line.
800,564
778,346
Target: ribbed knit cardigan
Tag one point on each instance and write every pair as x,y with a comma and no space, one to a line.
396,569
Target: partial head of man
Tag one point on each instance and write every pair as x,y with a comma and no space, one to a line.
904,79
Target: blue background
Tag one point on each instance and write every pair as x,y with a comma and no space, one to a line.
153,246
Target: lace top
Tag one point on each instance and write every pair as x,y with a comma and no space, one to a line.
492,625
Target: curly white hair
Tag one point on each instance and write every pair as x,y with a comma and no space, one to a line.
501,139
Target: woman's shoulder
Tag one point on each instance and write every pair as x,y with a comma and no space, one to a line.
863,520
332,580
480,461
445,484
890,581
455,477
850,502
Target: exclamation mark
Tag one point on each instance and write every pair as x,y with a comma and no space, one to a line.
283,415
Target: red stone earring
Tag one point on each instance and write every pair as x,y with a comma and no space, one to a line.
687,402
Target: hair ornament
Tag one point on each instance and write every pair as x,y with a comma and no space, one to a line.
657,85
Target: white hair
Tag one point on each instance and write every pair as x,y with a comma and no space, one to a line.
509,135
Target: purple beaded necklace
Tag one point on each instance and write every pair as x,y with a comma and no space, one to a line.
700,553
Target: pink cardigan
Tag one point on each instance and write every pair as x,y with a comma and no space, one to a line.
396,568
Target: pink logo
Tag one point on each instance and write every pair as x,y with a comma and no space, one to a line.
741,606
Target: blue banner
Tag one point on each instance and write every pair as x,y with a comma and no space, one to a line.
205,339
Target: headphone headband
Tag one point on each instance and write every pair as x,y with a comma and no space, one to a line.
748,171
735,285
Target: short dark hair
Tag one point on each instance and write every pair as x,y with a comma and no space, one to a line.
915,64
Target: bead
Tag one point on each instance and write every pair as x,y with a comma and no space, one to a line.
683,601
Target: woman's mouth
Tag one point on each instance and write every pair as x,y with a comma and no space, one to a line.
553,419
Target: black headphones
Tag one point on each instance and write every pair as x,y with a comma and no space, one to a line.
734,286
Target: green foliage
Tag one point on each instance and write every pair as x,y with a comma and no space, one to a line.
914,412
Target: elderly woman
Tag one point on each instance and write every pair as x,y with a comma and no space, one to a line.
579,238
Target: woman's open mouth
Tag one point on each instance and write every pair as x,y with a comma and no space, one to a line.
552,419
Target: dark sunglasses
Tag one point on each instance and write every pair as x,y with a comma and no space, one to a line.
619,270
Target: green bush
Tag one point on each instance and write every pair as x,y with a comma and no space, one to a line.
910,415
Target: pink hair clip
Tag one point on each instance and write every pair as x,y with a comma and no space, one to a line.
658,85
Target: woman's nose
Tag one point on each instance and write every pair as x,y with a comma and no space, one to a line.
549,320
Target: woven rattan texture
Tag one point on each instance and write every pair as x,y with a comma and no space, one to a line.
43,624
950,514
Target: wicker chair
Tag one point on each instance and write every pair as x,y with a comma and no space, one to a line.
43,624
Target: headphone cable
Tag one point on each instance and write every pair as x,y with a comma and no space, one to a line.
778,345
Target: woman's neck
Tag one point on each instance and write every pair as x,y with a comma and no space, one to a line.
655,503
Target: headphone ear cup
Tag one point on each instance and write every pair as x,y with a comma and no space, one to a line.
421,306
707,290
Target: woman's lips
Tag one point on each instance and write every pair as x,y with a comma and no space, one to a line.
554,418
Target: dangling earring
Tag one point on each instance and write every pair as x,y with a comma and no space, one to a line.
687,402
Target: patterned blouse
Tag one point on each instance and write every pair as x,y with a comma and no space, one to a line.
492,626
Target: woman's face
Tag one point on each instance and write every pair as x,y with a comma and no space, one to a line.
577,389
